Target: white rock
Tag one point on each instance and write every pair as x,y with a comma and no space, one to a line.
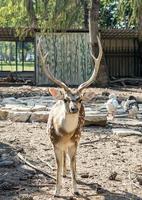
9,100
31,103
125,132
127,121
39,116
119,115
26,169
92,118
17,116
39,108
11,107
22,109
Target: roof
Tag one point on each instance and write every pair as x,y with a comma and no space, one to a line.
11,34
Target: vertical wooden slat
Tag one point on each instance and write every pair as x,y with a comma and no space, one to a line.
70,60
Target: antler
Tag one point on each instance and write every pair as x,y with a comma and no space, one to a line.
46,67
96,69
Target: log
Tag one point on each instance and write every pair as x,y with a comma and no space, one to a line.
92,119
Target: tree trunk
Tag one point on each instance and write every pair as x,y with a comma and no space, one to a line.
29,4
102,77
140,25
86,14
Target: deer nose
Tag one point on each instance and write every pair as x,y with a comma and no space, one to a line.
74,109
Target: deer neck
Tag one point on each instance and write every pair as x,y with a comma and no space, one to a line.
66,121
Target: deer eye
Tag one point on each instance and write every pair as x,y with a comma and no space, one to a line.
78,99
66,100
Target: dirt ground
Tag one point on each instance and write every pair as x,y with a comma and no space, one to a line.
109,167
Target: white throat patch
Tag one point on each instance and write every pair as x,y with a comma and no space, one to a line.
70,122
66,121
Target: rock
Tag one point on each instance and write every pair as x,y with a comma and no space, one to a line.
3,114
139,179
140,141
7,163
121,115
19,108
129,122
9,100
26,197
95,119
113,176
100,190
26,169
85,175
39,108
7,185
22,109
31,103
97,197
19,116
123,132
40,116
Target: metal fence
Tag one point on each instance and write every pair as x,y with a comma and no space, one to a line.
123,57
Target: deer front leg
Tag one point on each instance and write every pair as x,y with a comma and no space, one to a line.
59,160
72,154
64,163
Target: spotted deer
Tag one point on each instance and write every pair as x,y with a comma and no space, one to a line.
66,118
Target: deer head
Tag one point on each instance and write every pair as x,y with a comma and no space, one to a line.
72,97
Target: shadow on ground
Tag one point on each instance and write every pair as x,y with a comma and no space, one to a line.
17,180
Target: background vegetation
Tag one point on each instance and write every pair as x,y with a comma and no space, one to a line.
57,14
52,15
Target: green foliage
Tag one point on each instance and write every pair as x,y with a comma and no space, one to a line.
130,12
120,14
109,13
65,14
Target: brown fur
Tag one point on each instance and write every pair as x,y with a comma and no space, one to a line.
73,136
63,143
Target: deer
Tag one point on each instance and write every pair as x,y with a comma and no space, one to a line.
67,117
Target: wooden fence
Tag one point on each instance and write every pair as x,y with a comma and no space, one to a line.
70,60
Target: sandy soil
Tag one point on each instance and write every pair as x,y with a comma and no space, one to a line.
101,157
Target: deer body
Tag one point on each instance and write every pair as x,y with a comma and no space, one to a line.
64,130
66,119
62,126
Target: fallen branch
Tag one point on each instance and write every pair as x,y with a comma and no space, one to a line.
32,166
94,141
37,185
46,163
126,79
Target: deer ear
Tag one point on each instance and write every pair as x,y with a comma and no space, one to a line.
56,93
87,96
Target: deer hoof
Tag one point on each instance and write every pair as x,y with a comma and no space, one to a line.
76,193
57,194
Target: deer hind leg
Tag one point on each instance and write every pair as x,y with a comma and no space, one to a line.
59,160
72,154
64,164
